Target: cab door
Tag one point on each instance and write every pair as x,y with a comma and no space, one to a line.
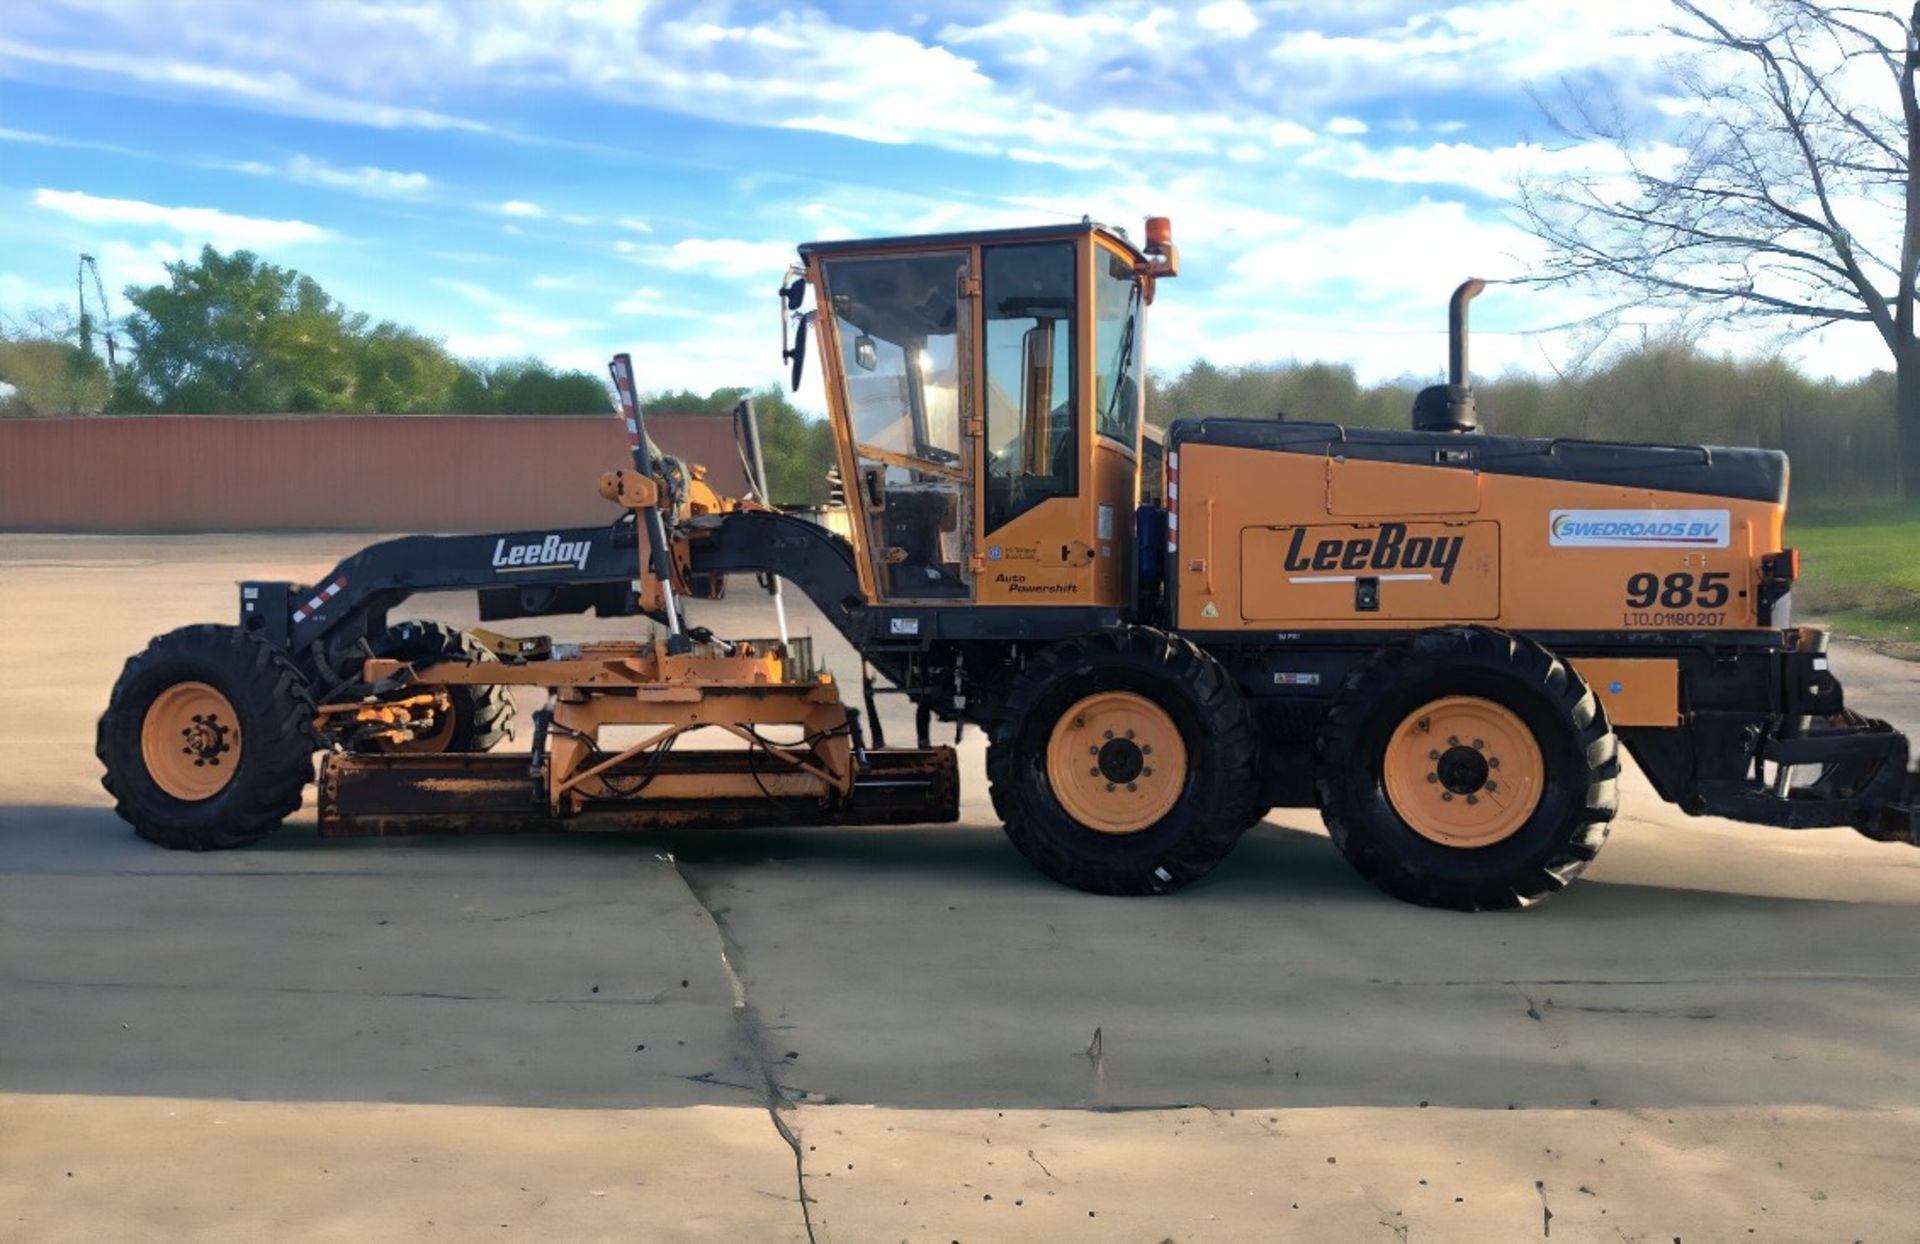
1036,546
903,331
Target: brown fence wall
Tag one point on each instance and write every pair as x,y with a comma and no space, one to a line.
428,473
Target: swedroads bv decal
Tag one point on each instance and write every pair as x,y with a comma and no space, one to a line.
1641,529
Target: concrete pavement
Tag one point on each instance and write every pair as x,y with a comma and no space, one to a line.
1708,1034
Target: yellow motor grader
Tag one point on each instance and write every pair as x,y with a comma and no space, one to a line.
1437,636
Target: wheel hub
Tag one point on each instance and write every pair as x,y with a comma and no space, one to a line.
1121,760
1116,762
1463,771
190,741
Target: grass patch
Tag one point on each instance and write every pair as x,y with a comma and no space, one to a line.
1860,571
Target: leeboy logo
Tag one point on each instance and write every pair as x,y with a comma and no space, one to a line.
1640,529
542,555
1391,548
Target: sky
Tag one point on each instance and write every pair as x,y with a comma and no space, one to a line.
569,179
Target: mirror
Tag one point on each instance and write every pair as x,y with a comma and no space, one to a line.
799,351
796,293
866,355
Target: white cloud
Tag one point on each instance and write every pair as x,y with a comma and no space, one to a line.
540,326
520,207
276,90
1290,134
728,257
634,223
1491,170
364,179
493,345
1387,255
223,229
472,291
1228,17
126,263
1346,126
642,301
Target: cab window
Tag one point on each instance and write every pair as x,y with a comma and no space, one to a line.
1117,352
1028,292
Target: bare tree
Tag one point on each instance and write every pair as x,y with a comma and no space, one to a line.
1792,192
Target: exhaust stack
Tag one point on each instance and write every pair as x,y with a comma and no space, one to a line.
1449,407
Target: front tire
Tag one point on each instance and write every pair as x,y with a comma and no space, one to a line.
1468,769
1123,762
208,739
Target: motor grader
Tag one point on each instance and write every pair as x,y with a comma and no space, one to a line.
1439,637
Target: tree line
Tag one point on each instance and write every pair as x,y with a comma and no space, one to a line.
1841,434
234,334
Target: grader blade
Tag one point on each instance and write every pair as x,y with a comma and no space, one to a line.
384,795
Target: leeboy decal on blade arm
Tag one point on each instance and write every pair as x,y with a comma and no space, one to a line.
1641,529
540,555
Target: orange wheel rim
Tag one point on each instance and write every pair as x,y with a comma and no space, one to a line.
1116,762
1464,772
190,741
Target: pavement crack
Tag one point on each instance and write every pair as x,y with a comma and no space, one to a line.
752,1032
1533,1012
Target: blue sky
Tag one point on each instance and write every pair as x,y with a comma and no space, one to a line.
566,180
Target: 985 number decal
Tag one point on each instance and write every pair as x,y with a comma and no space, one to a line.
1679,590
1678,599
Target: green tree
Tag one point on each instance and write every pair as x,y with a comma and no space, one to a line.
44,373
798,449
1841,435
230,333
235,334
526,387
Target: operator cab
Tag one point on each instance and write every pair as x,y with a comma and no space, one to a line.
985,391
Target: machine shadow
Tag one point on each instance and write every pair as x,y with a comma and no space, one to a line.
909,967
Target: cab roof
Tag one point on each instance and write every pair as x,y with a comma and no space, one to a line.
931,241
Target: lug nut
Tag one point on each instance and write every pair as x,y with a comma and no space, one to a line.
1447,795
1094,772
1109,785
1453,740
1146,749
1129,734
1479,745
1109,734
1433,755
1093,751
1472,799
1148,772
1132,787
1493,762
1492,786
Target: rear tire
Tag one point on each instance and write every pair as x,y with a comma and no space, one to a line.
482,714
1076,777
200,700
1413,754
